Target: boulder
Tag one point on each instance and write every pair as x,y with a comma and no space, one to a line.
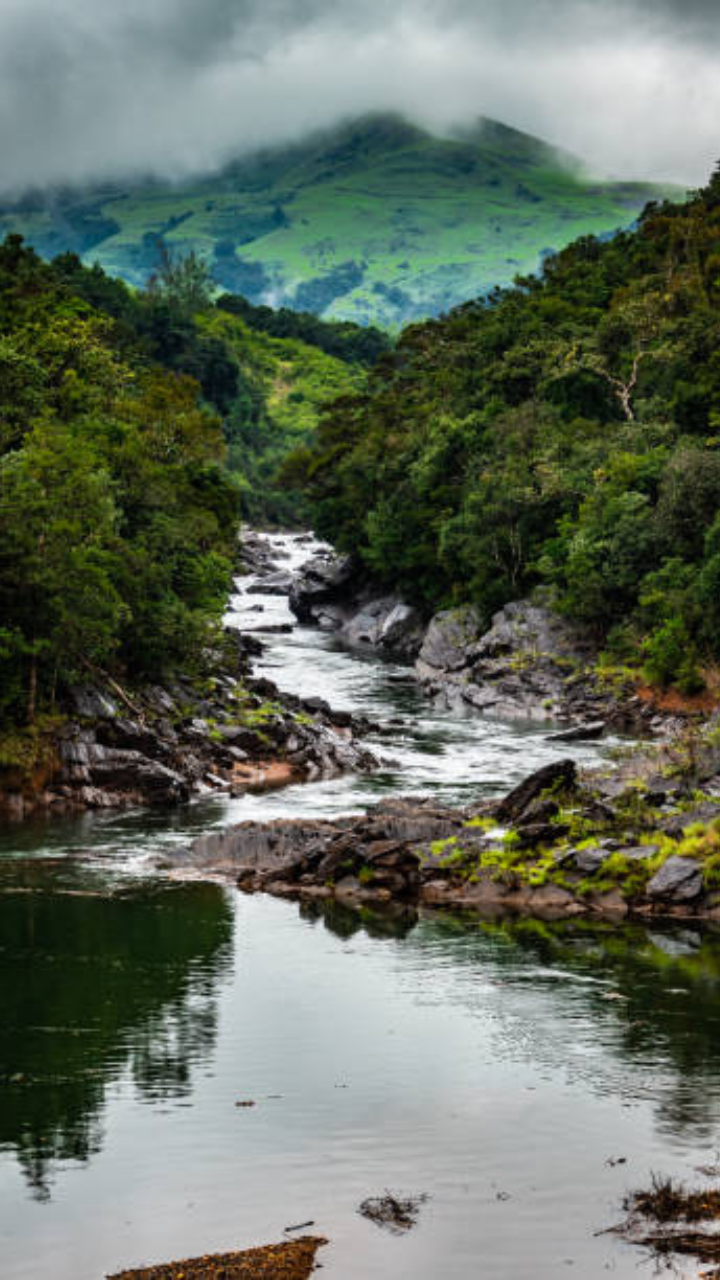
677,823
402,629
588,861
528,626
559,774
678,880
449,641
320,581
580,732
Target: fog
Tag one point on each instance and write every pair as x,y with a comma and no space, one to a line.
94,90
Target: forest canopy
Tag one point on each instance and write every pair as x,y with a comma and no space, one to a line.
562,433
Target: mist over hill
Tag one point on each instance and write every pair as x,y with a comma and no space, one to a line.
376,221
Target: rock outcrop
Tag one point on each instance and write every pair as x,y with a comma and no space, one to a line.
162,744
331,592
530,664
414,852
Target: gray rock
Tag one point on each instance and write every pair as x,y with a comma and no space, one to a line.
403,630
449,639
580,732
526,626
678,880
365,626
589,861
94,703
676,823
319,581
562,773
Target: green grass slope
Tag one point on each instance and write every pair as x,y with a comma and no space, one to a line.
284,385
376,221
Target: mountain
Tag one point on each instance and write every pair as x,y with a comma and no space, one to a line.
376,221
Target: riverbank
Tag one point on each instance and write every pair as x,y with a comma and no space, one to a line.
529,664
558,845
227,731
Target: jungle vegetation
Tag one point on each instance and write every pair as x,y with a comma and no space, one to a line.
562,433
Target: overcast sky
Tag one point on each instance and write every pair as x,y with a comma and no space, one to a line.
97,88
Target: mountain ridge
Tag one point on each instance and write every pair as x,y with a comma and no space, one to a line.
374,220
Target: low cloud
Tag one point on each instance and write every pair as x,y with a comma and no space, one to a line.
97,90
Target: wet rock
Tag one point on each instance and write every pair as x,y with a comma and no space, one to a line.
273,629
320,581
402,629
560,774
334,594
580,732
316,704
678,880
275,584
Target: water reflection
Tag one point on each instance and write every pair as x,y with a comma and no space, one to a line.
345,921
99,982
629,1010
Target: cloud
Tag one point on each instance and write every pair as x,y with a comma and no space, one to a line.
94,89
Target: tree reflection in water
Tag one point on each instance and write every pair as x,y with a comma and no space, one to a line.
96,984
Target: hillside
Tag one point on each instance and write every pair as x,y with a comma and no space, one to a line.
560,435
375,221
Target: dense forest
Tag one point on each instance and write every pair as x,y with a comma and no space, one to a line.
565,434
135,427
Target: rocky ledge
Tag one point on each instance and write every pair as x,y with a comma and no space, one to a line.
162,744
529,664
558,845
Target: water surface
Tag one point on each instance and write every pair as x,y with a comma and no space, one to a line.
502,1070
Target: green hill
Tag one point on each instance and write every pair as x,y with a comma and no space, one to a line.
374,221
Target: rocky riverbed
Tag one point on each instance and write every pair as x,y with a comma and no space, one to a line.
557,845
529,664
228,730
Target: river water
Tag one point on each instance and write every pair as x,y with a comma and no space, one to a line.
523,1076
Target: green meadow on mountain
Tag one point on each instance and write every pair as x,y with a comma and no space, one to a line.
375,221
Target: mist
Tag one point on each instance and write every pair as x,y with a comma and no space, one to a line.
91,90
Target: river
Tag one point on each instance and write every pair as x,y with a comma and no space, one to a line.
522,1076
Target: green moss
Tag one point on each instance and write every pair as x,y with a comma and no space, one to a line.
31,748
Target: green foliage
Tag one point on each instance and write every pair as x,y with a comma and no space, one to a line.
117,523
670,658
546,436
